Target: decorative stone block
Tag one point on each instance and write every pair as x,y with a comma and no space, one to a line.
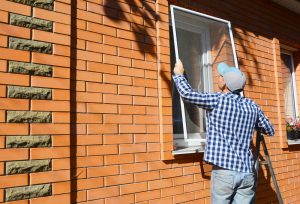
27,68
22,167
30,22
31,45
29,92
45,4
26,192
28,141
28,117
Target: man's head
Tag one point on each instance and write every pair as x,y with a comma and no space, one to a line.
234,79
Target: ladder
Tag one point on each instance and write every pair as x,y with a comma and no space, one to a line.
260,139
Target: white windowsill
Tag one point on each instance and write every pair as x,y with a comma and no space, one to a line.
189,150
293,142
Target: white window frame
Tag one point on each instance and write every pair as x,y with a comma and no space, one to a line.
207,61
286,52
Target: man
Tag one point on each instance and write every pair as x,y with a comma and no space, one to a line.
231,120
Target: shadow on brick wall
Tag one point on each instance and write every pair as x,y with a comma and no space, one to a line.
114,11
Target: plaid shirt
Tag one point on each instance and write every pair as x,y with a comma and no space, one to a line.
231,120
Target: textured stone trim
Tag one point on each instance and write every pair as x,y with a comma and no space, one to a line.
30,22
30,45
29,92
27,192
45,4
28,68
28,141
28,117
22,167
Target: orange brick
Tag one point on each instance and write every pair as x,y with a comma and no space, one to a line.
117,24
1,195
135,110
61,50
138,138
128,71
118,159
146,176
102,171
102,129
152,156
58,94
4,16
99,28
117,99
145,82
109,40
14,129
54,60
3,65
168,200
1,168
51,15
175,172
117,139
3,41
88,97
49,82
149,195
172,191
14,104
102,68
95,8
61,187
89,16
131,54
64,198
90,183
101,108
59,72
89,161
131,90
89,76
45,153
8,181
43,105
115,79
51,176
118,179
130,35
102,88
60,140
60,164
17,8
101,48
132,128
89,56
11,54
117,119
62,8
50,37
133,188
120,199
88,118
61,28
106,192
60,117
110,59
158,184
13,154
102,149
132,148
133,168
184,197
141,119
49,128
140,100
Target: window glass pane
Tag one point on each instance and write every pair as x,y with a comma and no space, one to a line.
288,89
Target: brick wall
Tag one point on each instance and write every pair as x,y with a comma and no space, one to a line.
86,115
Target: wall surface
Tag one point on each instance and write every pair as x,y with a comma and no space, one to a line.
86,109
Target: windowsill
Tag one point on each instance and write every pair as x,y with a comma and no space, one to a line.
189,150
293,142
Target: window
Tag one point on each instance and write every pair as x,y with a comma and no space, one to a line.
201,42
289,92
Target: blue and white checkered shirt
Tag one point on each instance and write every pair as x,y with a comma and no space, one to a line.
231,120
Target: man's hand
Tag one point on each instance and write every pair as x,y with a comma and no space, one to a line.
178,69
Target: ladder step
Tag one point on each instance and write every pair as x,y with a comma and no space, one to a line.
263,162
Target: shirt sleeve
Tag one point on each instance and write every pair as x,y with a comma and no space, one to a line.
202,99
264,124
